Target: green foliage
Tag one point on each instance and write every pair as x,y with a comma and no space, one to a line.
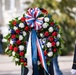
63,13
4,46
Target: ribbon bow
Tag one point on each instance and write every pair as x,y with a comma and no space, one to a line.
34,44
32,18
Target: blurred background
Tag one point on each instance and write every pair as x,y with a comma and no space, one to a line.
63,11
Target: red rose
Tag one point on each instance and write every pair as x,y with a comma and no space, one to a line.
15,49
21,53
46,33
54,34
51,39
25,64
23,19
54,50
26,28
51,23
18,42
17,31
13,36
11,47
45,52
21,60
14,22
53,43
44,11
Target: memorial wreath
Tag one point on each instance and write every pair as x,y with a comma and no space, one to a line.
34,39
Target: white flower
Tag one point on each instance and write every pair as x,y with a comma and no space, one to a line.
24,33
57,43
39,63
45,25
58,35
46,19
11,42
49,44
20,37
43,40
16,59
21,47
21,25
41,34
51,29
50,54
15,28
25,55
4,40
13,53
42,46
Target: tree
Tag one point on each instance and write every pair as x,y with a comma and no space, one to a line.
63,11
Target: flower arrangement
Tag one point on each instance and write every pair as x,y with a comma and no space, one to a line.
48,33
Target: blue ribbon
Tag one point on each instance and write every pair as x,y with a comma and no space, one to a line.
34,52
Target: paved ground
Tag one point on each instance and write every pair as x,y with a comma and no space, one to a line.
7,67
65,63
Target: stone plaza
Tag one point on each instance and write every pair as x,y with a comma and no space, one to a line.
7,67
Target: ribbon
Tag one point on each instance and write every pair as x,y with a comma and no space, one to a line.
32,18
29,56
41,56
34,52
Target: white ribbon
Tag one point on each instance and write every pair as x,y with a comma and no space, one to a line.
29,56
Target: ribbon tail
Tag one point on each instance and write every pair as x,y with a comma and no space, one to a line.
41,56
29,57
34,53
